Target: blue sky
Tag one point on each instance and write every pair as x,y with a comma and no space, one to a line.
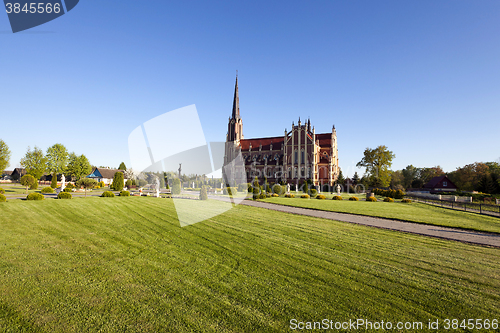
421,77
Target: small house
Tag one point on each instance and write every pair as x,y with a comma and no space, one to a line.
104,175
440,184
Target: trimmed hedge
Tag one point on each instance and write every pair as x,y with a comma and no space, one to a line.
124,194
305,196
406,201
35,196
107,194
354,198
321,197
47,190
337,197
64,195
67,189
289,195
372,199
3,198
389,193
387,199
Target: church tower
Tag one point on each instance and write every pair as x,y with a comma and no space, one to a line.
235,124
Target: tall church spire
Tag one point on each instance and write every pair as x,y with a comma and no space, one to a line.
236,100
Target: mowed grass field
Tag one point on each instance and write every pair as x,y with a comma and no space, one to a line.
413,212
125,265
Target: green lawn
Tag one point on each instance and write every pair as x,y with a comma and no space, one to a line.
414,212
125,265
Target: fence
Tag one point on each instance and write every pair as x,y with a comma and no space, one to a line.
491,210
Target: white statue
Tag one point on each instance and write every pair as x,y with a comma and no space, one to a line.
288,188
192,185
157,187
338,189
63,182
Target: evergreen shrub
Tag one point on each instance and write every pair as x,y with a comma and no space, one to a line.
3,198
372,199
305,196
124,194
35,196
289,195
387,199
313,193
64,195
337,197
107,194
2,191
47,190
354,198
321,197
406,201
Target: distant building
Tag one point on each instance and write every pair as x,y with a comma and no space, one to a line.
440,184
18,173
104,175
6,175
298,155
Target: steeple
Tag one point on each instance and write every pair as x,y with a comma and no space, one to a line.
236,100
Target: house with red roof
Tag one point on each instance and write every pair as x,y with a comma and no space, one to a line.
440,184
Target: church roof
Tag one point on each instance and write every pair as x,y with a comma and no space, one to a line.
276,141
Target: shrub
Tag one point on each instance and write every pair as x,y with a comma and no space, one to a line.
70,186
128,183
313,193
118,181
305,188
124,194
278,189
406,201
101,184
28,181
64,195
372,199
250,188
399,194
67,189
47,190
2,191
387,199
107,194
275,195
203,192
176,187
262,196
337,197
305,196
87,183
243,187
353,198
53,183
35,196
321,197
289,195
2,198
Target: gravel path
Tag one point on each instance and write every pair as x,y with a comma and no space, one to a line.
461,235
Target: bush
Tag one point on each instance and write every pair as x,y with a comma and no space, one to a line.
28,181
278,189
47,190
406,201
262,196
337,197
124,194
313,193
53,183
35,196
399,194
387,199
2,198
101,184
118,181
34,186
305,196
107,194
243,187
372,199
128,183
203,192
70,186
2,191
67,189
289,195
250,188
354,198
321,197
64,195
176,187
275,195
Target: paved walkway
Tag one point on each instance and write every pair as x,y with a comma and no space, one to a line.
461,235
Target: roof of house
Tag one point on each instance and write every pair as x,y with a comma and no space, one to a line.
7,172
436,180
105,173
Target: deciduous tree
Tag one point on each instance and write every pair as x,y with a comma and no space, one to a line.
377,163
86,183
28,181
4,156
35,162
78,166
57,158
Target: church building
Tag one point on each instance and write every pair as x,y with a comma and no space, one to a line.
298,155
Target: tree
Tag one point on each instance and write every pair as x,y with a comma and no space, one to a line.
53,183
340,178
118,181
355,178
176,187
397,179
28,181
87,183
165,177
203,193
4,156
377,163
35,162
78,166
57,158
122,166
410,173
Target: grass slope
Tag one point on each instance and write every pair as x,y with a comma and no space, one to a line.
124,264
414,212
